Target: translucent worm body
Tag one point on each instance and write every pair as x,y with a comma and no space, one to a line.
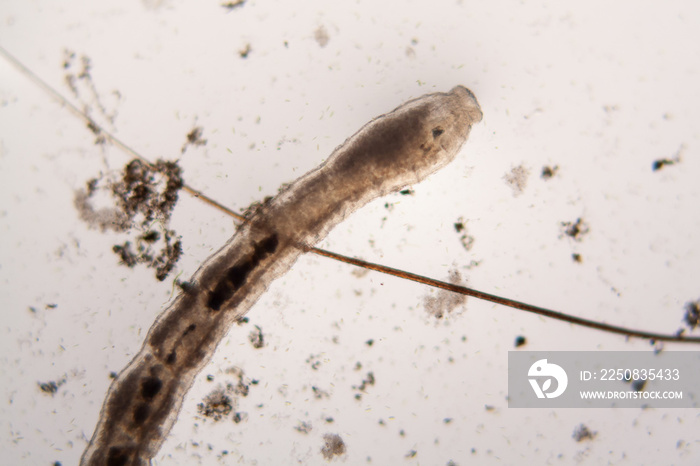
390,152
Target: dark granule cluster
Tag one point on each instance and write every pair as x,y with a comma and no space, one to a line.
144,197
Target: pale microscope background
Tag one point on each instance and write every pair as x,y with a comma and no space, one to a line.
600,90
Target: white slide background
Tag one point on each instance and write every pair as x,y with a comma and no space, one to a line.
599,89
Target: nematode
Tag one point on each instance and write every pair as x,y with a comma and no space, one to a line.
396,149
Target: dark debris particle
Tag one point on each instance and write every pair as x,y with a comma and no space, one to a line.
334,446
548,172
256,338
216,405
304,427
459,227
113,375
319,393
48,387
150,236
638,385
239,417
313,361
369,380
692,314
194,138
321,36
407,192
411,454
661,163
233,5
51,387
143,194
517,179
369,342
582,433
576,230
245,51
447,420
520,341
577,258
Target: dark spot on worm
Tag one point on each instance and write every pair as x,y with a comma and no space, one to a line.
150,386
172,357
141,413
189,329
237,275
117,457
437,132
265,247
221,293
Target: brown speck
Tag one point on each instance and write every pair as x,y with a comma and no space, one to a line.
313,361
517,179
216,405
334,446
548,172
304,427
321,36
577,257
661,163
233,5
582,433
256,338
692,314
520,341
466,239
318,393
51,387
445,302
365,382
194,138
575,230
245,51
48,387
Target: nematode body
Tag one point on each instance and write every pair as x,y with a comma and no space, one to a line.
396,149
